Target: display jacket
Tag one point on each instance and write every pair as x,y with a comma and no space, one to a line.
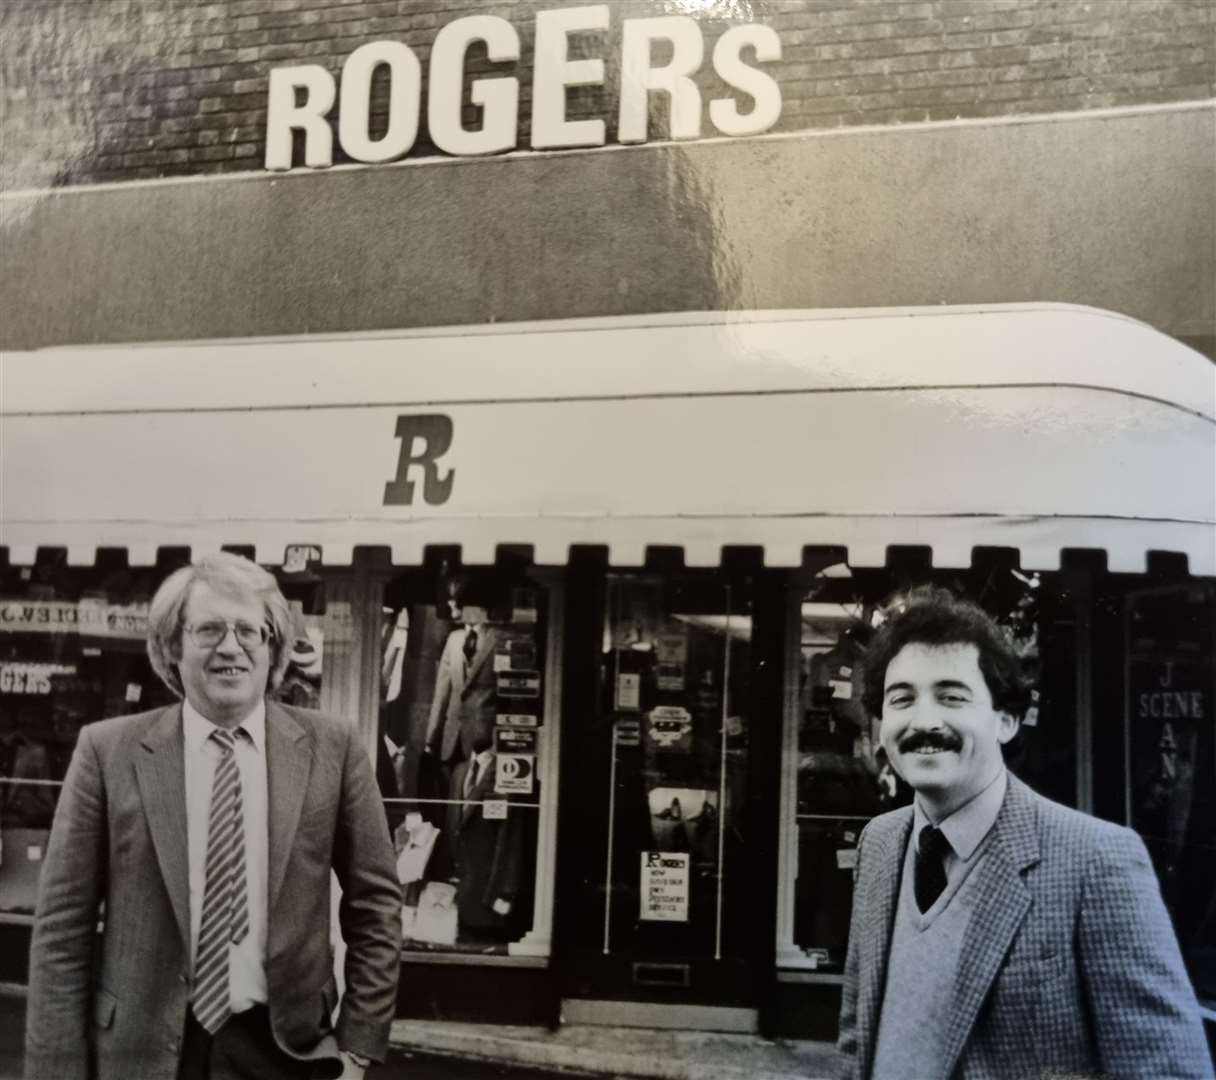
115,1009
489,853
1069,966
464,695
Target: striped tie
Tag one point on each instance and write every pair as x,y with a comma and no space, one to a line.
225,905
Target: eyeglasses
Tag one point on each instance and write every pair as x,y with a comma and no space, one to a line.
207,635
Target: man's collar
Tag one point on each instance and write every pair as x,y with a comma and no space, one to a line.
971,822
196,728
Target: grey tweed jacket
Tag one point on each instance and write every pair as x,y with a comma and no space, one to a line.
1070,967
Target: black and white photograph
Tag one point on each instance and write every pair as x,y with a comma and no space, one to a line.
639,540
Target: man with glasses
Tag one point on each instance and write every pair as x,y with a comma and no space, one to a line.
202,836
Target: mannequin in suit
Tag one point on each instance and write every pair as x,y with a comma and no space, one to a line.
466,683
489,854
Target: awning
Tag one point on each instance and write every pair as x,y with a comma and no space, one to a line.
1037,427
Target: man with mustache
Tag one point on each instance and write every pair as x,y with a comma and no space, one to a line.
202,836
996,934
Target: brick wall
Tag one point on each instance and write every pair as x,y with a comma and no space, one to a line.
104,90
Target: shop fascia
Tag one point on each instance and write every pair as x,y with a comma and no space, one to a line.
301,97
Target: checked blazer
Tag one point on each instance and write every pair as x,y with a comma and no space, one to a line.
1069,966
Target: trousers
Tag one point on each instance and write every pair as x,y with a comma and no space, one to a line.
243,1049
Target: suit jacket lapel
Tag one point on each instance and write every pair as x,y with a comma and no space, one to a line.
483,789
486,641
288,765
160,773
882,896
1003,901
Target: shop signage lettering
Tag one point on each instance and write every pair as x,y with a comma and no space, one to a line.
509,740
522,684
1166,700
90,617
301,97
627,732
1171,705
1169,701
22,678
670,727
424,439
513,774
515,760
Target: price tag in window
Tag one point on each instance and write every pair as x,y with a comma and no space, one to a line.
846,858
33,853
134,692
494,809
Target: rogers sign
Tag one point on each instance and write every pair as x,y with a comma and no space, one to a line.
301,97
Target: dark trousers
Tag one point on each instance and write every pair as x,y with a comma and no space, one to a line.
243,1049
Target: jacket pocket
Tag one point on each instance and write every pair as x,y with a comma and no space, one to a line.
104,1004
329,1002
1033,970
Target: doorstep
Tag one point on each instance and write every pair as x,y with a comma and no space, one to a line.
643,1053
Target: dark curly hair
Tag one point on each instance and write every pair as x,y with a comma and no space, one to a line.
931,615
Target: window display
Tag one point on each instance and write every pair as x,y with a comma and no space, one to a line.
462,712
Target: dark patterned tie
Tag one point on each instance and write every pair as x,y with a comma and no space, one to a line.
470,645
930,866
225,903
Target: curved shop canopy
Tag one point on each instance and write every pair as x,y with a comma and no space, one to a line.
1039,427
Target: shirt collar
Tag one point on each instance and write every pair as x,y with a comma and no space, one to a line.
484,758
966,828
197,729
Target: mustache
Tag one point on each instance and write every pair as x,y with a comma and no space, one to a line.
929,740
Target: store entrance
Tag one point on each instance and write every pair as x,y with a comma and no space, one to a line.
665,908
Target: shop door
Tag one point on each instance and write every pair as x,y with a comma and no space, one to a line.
665,898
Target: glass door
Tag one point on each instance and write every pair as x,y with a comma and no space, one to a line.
665,903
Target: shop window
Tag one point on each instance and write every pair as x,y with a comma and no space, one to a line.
72,651
1170,789
837,777
463,734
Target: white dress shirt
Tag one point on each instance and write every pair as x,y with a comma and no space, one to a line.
477,769
246,961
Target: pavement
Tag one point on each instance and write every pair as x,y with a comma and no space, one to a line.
432,1050
619,1053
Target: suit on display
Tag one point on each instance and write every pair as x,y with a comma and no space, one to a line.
464,692
1069,965
489,853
